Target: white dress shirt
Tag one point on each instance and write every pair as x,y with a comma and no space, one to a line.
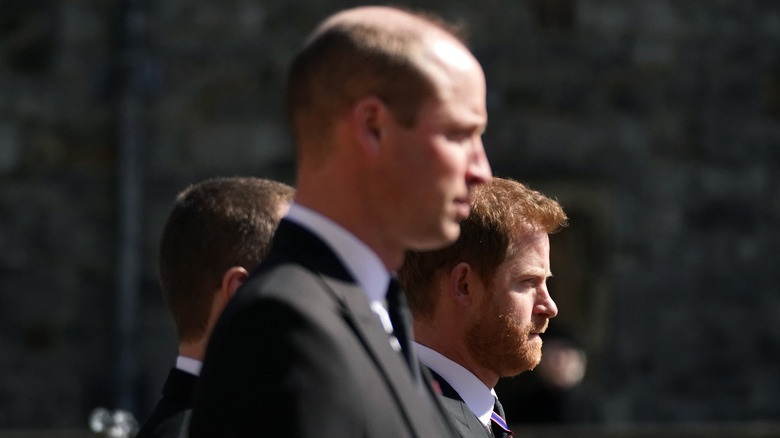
189,365
360,260
478,397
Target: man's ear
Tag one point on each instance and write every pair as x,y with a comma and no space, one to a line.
368,119
461,283
233,278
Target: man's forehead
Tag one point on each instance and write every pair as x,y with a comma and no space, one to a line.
531,248
452,54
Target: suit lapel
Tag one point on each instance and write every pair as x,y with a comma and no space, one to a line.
367,328
297,242
459,411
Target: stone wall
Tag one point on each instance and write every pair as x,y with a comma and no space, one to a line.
656,123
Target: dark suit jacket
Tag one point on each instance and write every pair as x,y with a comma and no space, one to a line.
467,424
168,416
299,353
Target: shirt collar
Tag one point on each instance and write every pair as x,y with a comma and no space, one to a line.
479,398
362,262
189,365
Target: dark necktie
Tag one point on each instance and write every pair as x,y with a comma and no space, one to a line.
401,318
497,422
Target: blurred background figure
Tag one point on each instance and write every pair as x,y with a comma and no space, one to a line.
554,392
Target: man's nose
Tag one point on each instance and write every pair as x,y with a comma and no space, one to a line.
479,168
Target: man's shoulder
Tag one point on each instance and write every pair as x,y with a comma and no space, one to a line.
166,421
167,418
299,270
287,282
281,294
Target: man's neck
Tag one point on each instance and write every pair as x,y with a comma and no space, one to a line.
438,339
194,350
478,397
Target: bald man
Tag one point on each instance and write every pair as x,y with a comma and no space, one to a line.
387,110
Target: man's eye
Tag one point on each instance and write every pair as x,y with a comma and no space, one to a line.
533,282
458,136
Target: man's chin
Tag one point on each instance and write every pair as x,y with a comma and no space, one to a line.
534,364
525,362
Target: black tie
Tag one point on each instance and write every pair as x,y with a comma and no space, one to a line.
401,318
498,425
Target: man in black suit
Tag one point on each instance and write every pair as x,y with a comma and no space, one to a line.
480,304
387,109
217,232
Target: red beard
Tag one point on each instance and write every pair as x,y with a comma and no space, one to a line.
500,343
